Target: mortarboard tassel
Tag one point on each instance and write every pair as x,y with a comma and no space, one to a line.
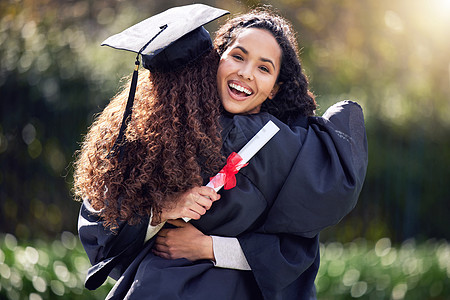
128,109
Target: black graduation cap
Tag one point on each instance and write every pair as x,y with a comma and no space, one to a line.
166,41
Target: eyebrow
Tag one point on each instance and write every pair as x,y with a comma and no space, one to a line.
262,58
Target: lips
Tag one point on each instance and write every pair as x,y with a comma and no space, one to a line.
239,91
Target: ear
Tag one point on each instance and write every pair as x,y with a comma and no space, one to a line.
275,90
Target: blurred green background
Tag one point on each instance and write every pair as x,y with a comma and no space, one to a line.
393,57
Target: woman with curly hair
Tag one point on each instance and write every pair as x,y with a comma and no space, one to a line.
173,138
260,240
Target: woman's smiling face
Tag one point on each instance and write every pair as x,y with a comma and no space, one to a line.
248,71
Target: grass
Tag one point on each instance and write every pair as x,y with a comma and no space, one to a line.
360,269
368,270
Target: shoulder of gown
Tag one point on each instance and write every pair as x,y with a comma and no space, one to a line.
310,173
326,179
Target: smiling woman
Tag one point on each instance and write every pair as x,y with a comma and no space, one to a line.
263,47
248,71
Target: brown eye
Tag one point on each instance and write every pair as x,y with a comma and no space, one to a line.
264,69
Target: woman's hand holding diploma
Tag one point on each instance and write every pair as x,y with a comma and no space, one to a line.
191,204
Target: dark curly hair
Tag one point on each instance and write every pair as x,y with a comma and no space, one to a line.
172,140
294,97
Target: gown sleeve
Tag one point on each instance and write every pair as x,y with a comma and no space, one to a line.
110,252
327,176
308,177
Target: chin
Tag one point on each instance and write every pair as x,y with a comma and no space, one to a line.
232,109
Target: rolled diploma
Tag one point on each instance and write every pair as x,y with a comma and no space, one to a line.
251,148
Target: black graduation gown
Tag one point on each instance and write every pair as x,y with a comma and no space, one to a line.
306,178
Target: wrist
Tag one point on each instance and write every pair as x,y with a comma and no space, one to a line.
207,246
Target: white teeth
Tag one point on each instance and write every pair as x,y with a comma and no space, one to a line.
240,88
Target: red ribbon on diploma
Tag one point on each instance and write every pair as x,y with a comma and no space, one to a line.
226,176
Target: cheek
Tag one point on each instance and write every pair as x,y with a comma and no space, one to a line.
269,86
220,82
221,71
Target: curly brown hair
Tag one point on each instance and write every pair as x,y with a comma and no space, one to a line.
294,97
172,140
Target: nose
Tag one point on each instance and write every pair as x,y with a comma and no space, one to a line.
246,72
